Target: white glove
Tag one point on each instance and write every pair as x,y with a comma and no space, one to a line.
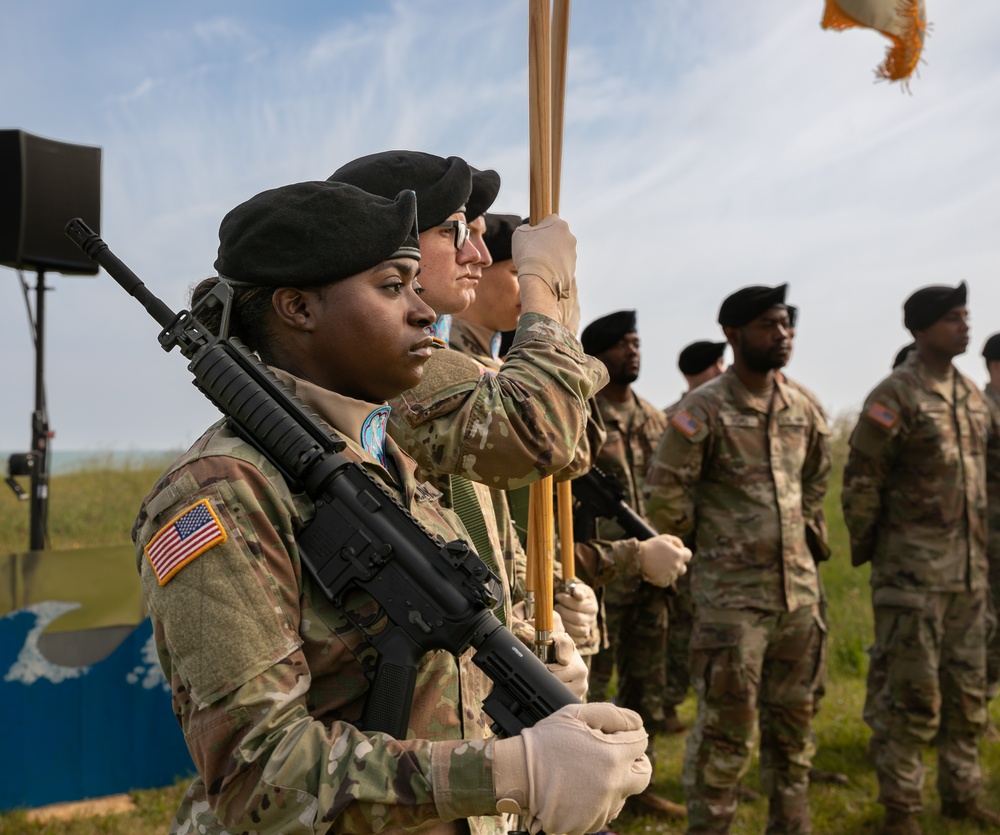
663,559
572,771
578,608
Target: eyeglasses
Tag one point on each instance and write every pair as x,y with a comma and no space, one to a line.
461,232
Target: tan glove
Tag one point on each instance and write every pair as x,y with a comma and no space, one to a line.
663,559
548,251
569,667
578,609
572,771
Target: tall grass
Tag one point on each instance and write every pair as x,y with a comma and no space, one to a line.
97,507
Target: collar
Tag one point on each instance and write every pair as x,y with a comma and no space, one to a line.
948,386
441,329
748,400
475,339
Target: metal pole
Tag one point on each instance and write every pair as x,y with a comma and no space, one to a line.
39,429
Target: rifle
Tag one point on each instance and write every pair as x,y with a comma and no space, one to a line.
603,495
430,594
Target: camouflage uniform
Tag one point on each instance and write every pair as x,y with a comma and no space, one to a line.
915,504
502,426
992,397
743,474
635,611
268,676
504,429
680,620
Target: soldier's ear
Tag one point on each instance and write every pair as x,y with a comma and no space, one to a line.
293,307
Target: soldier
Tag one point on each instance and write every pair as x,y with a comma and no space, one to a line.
914,501
268,677
741,467
991,391
699,362
635,609
474,434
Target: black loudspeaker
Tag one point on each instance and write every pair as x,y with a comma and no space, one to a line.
44,184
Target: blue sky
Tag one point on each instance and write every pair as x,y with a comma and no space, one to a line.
707,147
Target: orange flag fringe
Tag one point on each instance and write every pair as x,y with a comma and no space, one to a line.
904,22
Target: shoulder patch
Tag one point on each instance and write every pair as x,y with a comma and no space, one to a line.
686,422
187,536
882,415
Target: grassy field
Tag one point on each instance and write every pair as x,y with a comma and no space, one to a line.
97,506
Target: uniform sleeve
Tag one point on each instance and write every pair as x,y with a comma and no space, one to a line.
601,561
816,473
676,468
228,635
993,482
508,428
873,446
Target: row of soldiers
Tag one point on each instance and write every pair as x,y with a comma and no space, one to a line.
738,468
379,318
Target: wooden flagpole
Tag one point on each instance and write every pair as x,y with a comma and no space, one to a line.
540,521
560,48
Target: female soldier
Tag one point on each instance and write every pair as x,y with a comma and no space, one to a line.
267,676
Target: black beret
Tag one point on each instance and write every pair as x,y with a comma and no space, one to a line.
499,234
902,354
991,350
442,185
485,188
928,304
747,304
314,233
698,356
605,332
793,314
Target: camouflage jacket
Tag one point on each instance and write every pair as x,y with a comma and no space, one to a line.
476,341
506,428
268,676
625,456
914,492
992,397
738,479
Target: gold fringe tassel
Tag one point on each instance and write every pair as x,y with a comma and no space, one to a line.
903,56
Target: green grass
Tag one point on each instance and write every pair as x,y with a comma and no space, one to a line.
97,507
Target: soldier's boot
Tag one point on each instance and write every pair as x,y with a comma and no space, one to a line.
836,778
898,822
650,803
970,810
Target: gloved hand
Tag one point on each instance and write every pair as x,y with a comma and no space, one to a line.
572,771
548,251
578,609
569,666
663,559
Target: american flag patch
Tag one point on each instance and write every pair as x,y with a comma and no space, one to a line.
883,415
183,538
686,423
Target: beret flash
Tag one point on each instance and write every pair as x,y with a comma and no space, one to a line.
747,304
991,350
605,332
499,234
442,185
698,356
928,304
314,233
485,188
